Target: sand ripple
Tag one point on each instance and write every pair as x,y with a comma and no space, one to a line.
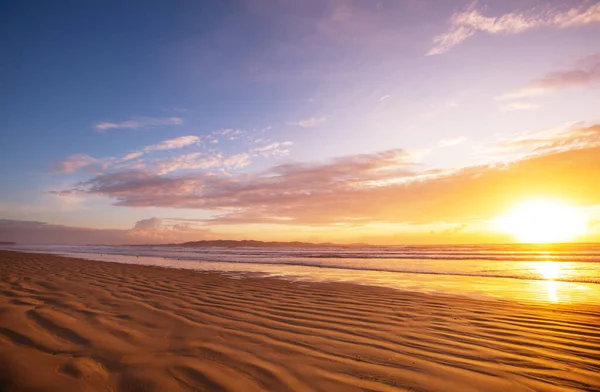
79,325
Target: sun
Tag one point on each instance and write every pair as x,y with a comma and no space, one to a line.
543,221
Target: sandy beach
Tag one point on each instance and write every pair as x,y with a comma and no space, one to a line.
77,325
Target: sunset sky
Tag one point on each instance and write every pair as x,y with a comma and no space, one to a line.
389,122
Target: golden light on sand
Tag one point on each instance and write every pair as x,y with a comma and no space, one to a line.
543,221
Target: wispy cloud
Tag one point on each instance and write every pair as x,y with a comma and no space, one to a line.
466,24
552,141
74,163
139,122
132,155
519,106
587,71
273,149
229,134
309,122
199,161
170,144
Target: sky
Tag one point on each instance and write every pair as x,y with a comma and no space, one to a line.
388,122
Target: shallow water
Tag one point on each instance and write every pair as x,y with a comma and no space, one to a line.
555,273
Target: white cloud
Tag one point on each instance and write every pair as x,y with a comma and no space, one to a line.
309,122
466,24
140,122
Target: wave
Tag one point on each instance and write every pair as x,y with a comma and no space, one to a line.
568,265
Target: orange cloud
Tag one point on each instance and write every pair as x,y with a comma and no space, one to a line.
385,187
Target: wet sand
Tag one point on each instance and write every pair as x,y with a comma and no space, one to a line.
77,325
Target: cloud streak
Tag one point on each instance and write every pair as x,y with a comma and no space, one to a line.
464,25
74,163
202,156
137,123
175,143
587,72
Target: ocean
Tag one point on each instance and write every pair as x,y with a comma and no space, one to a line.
567,273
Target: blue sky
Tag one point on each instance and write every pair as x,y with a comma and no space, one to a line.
247,90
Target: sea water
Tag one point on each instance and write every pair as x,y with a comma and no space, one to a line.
568,273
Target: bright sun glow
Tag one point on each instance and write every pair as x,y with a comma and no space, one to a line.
543,221
548,269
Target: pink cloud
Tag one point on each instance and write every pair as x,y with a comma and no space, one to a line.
132,155
73,163
466,24
381,187
587,73
170,144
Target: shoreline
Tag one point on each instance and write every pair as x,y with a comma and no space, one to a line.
486,286
88,325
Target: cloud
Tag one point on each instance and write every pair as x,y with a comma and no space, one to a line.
519,106
383,187
139,122
200,161
203,158
384,97
73,163
230,134
152,230
309,122
587,72
551,141
170,144
466,24
273,149
132,155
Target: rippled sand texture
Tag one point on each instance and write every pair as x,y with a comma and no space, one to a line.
75,325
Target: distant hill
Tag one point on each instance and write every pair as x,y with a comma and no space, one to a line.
263,244
7,243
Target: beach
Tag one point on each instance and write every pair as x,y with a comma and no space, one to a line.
82,325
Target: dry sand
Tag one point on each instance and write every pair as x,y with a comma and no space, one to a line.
76,325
